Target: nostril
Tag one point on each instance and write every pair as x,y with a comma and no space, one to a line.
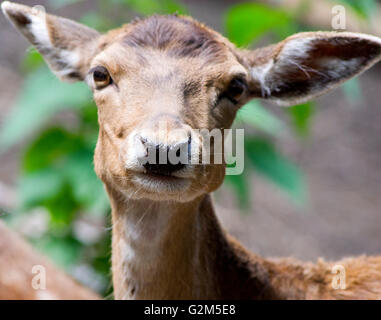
189,145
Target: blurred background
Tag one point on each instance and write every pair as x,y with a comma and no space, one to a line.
312,181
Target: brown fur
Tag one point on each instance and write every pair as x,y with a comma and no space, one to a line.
17,261
169,245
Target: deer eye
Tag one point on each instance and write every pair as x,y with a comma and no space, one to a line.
235,90
101,77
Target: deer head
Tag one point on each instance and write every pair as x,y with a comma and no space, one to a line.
166,74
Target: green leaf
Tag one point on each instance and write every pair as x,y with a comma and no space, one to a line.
37,187
89,115
301,116
93,20
269,163
49,148
62,208
171,6
42,96
241,187
149,7
32,60
352,90
86,187
64,251
102,263
254,114
247,21
66,153
364,8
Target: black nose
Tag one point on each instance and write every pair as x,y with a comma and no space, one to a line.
164,169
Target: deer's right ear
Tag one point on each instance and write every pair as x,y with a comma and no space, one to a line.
67,46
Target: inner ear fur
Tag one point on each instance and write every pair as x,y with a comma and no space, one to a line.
67,46
308,64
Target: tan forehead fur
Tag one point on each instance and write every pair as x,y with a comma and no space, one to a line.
162,40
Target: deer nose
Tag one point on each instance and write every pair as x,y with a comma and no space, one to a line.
163,159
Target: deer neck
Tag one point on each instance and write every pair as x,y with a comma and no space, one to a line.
161,249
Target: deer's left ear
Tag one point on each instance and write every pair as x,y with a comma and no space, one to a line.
309,64
67,46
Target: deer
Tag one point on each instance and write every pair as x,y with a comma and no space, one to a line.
167,242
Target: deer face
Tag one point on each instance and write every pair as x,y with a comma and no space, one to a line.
155,81
159,79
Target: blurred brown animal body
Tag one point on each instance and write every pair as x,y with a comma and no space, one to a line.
18,261
172,70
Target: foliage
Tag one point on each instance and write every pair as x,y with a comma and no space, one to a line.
57,168
364,8
33,107
247,23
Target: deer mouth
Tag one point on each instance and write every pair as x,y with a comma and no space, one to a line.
160,182
161,176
